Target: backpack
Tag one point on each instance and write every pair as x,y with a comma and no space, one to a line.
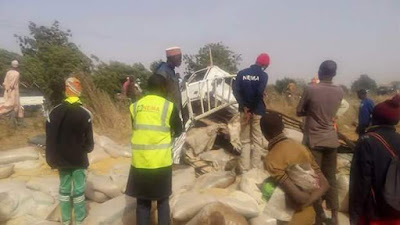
391,192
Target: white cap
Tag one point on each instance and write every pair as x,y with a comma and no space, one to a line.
14,63
173,51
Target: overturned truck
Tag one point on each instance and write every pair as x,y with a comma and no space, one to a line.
213,121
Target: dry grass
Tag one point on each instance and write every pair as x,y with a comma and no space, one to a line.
11,137
279,103
110,118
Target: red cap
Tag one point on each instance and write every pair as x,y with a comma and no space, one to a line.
263,60
387,112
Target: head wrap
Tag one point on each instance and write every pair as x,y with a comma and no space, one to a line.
14,64
73,87
263,60
327,68
173,51
387,112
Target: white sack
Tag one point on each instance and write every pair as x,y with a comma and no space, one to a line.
221,179
44,204
113,149
96,196
263,219
219,158
343,184
250,182
278,207
118,211
304,177
6,171
183,178
186,205
102,184
15,203
12,184
48,185
17,155
294,135
28,165
234,132
201,139
97,154
217,213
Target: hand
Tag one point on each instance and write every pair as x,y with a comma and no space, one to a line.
247,115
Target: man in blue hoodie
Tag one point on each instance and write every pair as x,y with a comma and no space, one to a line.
365,112
249,93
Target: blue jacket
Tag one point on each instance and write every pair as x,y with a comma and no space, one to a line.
364,116
249,89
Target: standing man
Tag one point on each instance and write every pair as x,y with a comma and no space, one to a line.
375,152
249,93
319,105
69,138
365,112
129,89
11,93
167,70
155,121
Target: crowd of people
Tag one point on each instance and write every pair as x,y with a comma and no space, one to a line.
157,119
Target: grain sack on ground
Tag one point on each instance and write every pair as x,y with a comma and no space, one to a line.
343,183
6,171
18,155
183,178
49,185
201,139
250,182
218,158
221,179
217,213
117,211
263,219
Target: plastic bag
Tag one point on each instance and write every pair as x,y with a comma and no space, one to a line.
304,177
18,155
220,179
217,213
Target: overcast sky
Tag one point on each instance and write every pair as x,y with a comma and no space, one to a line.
362,36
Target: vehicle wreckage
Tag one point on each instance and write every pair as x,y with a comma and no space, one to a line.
208,101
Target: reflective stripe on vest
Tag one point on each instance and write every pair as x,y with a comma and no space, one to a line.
151,136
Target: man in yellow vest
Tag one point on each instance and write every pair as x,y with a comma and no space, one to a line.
155,122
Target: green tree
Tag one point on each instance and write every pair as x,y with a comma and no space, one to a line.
281,84
49,57
5,62
110,77
154,65
222,57
364,82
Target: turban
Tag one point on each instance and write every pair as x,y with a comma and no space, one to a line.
73,87
387,112
173,51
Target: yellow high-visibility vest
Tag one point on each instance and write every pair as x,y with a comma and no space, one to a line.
151,132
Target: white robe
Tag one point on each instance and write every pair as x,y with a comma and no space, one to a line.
11,94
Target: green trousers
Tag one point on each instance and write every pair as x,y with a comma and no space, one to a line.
72,195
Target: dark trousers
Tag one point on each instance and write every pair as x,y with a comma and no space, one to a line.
327,161
143,211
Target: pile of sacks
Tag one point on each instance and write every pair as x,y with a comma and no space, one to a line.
226,198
